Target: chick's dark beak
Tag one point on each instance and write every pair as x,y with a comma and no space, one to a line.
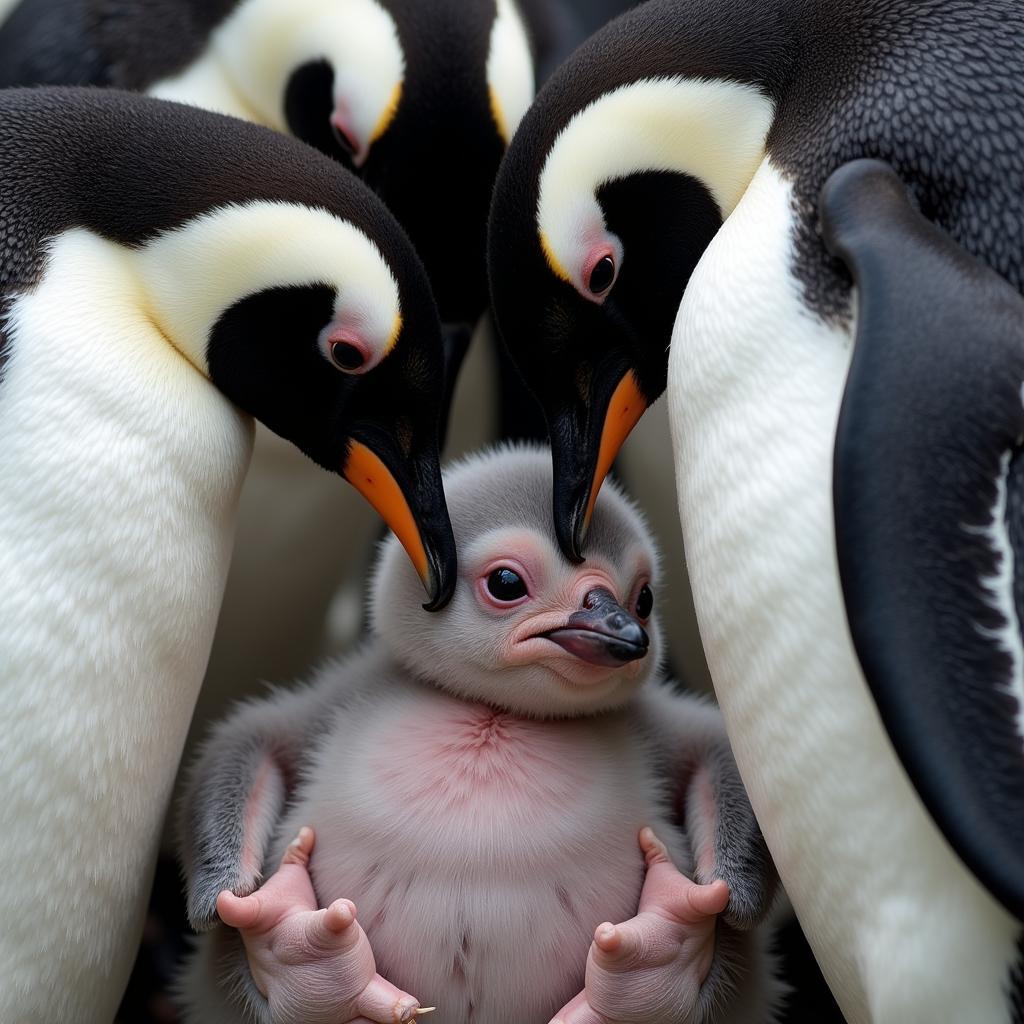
584,442
602,632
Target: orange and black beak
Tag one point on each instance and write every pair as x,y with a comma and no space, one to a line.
392,457
406,490
585,438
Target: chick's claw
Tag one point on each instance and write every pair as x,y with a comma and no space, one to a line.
312,966
653,967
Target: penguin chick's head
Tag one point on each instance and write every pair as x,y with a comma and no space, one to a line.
418,98
617,180
526,630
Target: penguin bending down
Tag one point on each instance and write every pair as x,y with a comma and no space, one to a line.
664,188
417,98
477,780
201,271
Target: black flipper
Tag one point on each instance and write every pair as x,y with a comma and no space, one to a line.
927,473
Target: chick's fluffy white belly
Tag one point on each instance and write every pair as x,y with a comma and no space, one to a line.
480,849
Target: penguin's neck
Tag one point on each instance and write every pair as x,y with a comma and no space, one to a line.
120,470
205,83
121,466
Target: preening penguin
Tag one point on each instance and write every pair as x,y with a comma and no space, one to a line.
665,188
477,780
200,269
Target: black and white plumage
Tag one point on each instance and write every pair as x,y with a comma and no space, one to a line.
688,144
419,99
166,273
477,779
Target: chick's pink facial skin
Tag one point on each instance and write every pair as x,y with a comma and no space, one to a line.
554,594
528,632
533,634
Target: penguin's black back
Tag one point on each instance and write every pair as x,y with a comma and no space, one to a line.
935,88
105,42
127,168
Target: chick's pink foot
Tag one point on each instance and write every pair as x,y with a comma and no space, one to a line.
312,966
651,968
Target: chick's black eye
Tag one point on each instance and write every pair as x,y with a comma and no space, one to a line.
346,356
645,602
506,585
602,276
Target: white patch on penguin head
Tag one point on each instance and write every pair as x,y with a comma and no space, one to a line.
514,586
714,131
193,274
265,41
510,71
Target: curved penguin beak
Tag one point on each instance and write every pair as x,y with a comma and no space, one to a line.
602,632
584,443
409,497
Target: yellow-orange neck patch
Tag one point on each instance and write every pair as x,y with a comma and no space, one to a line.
389,114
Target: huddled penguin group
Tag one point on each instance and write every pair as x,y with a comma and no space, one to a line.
799,219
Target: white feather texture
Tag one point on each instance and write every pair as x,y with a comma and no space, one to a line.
902,931
1000,590
6,7
195,272
510,72
712,130
120,471
251,55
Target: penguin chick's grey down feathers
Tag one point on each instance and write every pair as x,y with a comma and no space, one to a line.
477,778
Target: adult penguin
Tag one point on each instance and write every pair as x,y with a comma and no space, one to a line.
419,99
200,271
665,189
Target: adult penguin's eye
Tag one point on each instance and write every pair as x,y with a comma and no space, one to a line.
506,585
347,357
645,602
602,277
344,141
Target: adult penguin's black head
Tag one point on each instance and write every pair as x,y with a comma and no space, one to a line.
419,99
278,274
331,339
615,183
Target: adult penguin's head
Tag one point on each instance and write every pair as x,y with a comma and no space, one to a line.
420,99
617,180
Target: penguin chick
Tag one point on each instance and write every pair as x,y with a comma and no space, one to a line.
477,780
166,274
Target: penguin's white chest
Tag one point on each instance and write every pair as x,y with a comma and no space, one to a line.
755,386
481,849
119,471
